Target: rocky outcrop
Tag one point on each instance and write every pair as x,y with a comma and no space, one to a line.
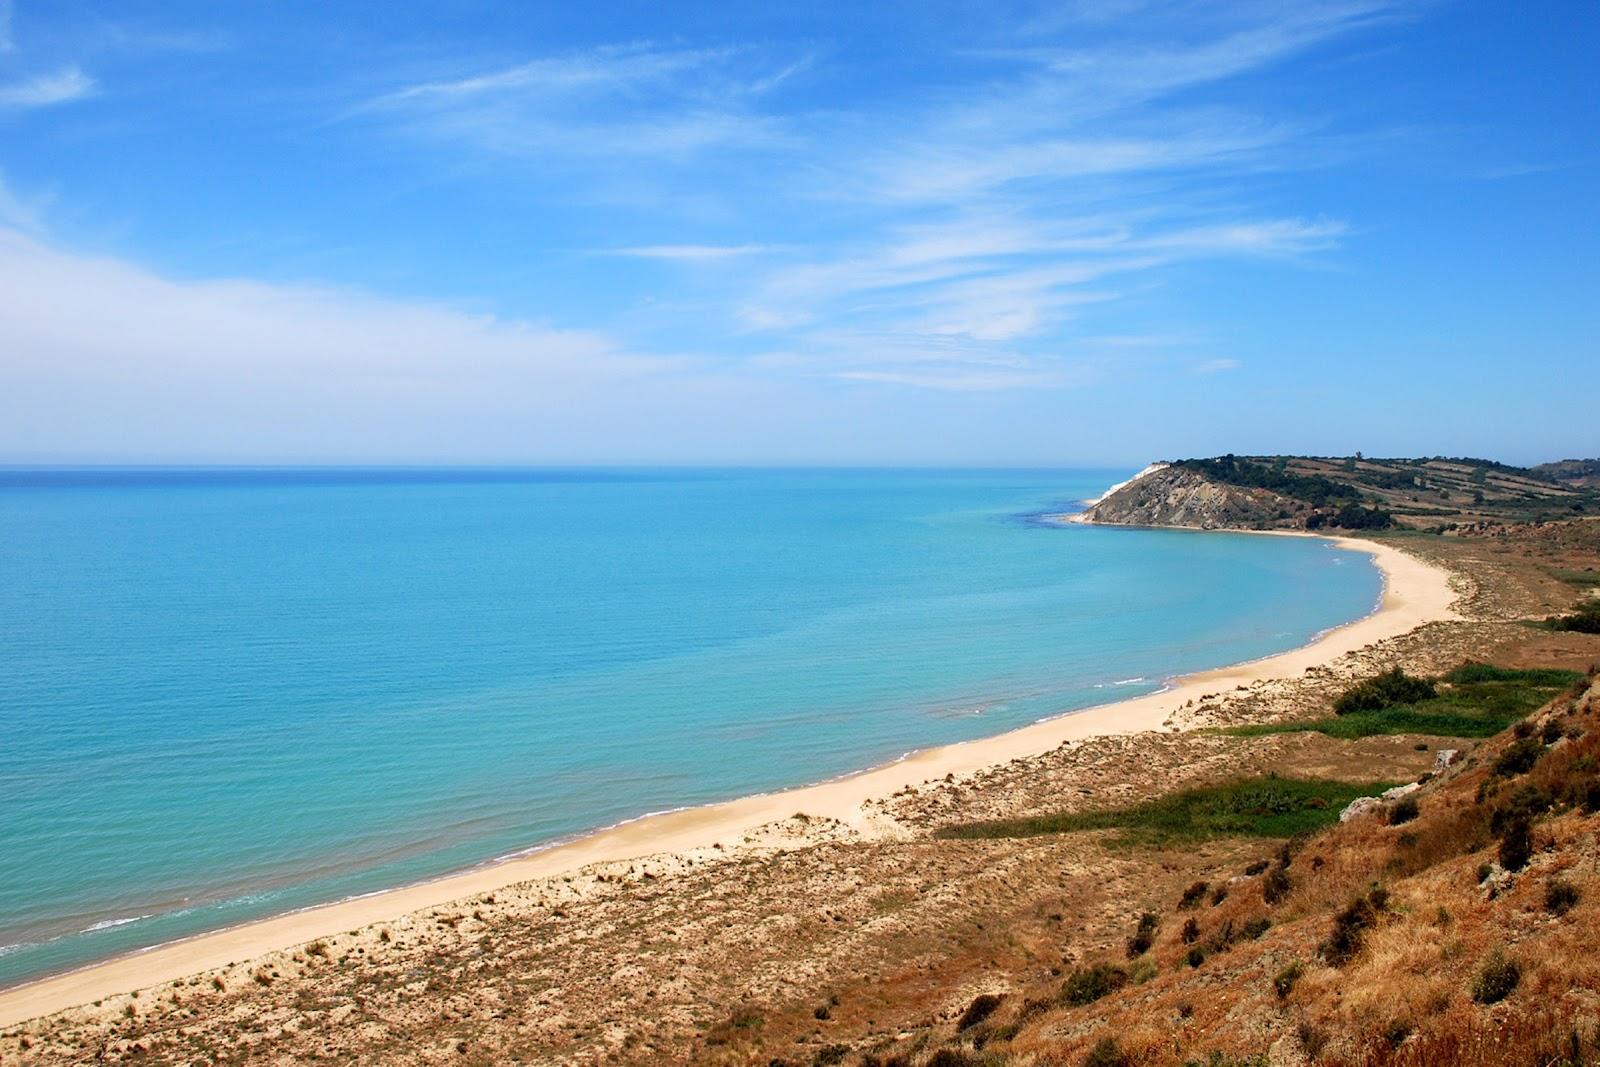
1180,496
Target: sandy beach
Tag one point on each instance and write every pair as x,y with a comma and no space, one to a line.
1415,593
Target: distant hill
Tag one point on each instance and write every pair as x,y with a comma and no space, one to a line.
1584,472
1352,493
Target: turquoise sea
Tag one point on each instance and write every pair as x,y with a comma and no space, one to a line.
230,693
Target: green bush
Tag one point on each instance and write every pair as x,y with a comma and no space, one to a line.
1350,927
1496,979
1086,985
1275,886
1283,982
1107,1053
1584,620
1353,516
1516,846
981,1008
1560,896
1143,935
1519,757
1527,802
1480,701
1386,690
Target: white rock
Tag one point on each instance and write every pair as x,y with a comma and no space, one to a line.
1360,806
1444,758
1400,790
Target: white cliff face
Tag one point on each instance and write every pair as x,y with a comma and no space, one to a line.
1166,495
1151,469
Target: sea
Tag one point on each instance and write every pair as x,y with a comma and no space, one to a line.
232,693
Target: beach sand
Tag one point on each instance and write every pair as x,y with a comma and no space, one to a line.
1415,593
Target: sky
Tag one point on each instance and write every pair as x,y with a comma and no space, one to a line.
925,233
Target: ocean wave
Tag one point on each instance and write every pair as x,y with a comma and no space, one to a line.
111,924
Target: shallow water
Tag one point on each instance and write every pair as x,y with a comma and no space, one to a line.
225,694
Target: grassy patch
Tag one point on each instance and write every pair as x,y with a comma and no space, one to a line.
1581,579
1474,700
1584,619
1254,807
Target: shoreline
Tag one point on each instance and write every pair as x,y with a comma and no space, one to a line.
1414,593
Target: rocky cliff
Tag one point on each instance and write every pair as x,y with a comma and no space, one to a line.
1180,496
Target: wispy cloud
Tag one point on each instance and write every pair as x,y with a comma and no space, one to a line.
611,69
688,253
1217,366
622,100
65,85
944,364
989,280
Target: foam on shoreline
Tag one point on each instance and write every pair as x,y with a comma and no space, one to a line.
1414,593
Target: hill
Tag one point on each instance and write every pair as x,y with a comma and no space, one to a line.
1581,472
1307,493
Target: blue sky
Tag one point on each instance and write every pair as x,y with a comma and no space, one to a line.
971,233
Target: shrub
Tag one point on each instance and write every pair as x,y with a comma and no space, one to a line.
1218,895
1107,1053
1283,982
1195,956
1519,758
1384,691
1525,803
1192,895
1312,1038
1559,896
1350,926
1404,810
1223,939
1085,985
981,1008
1516,847
1143,935
1353,516
1584,620
1256,868
1142,971
1191,932
1267,806
1257,927
1275,886
1496,979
